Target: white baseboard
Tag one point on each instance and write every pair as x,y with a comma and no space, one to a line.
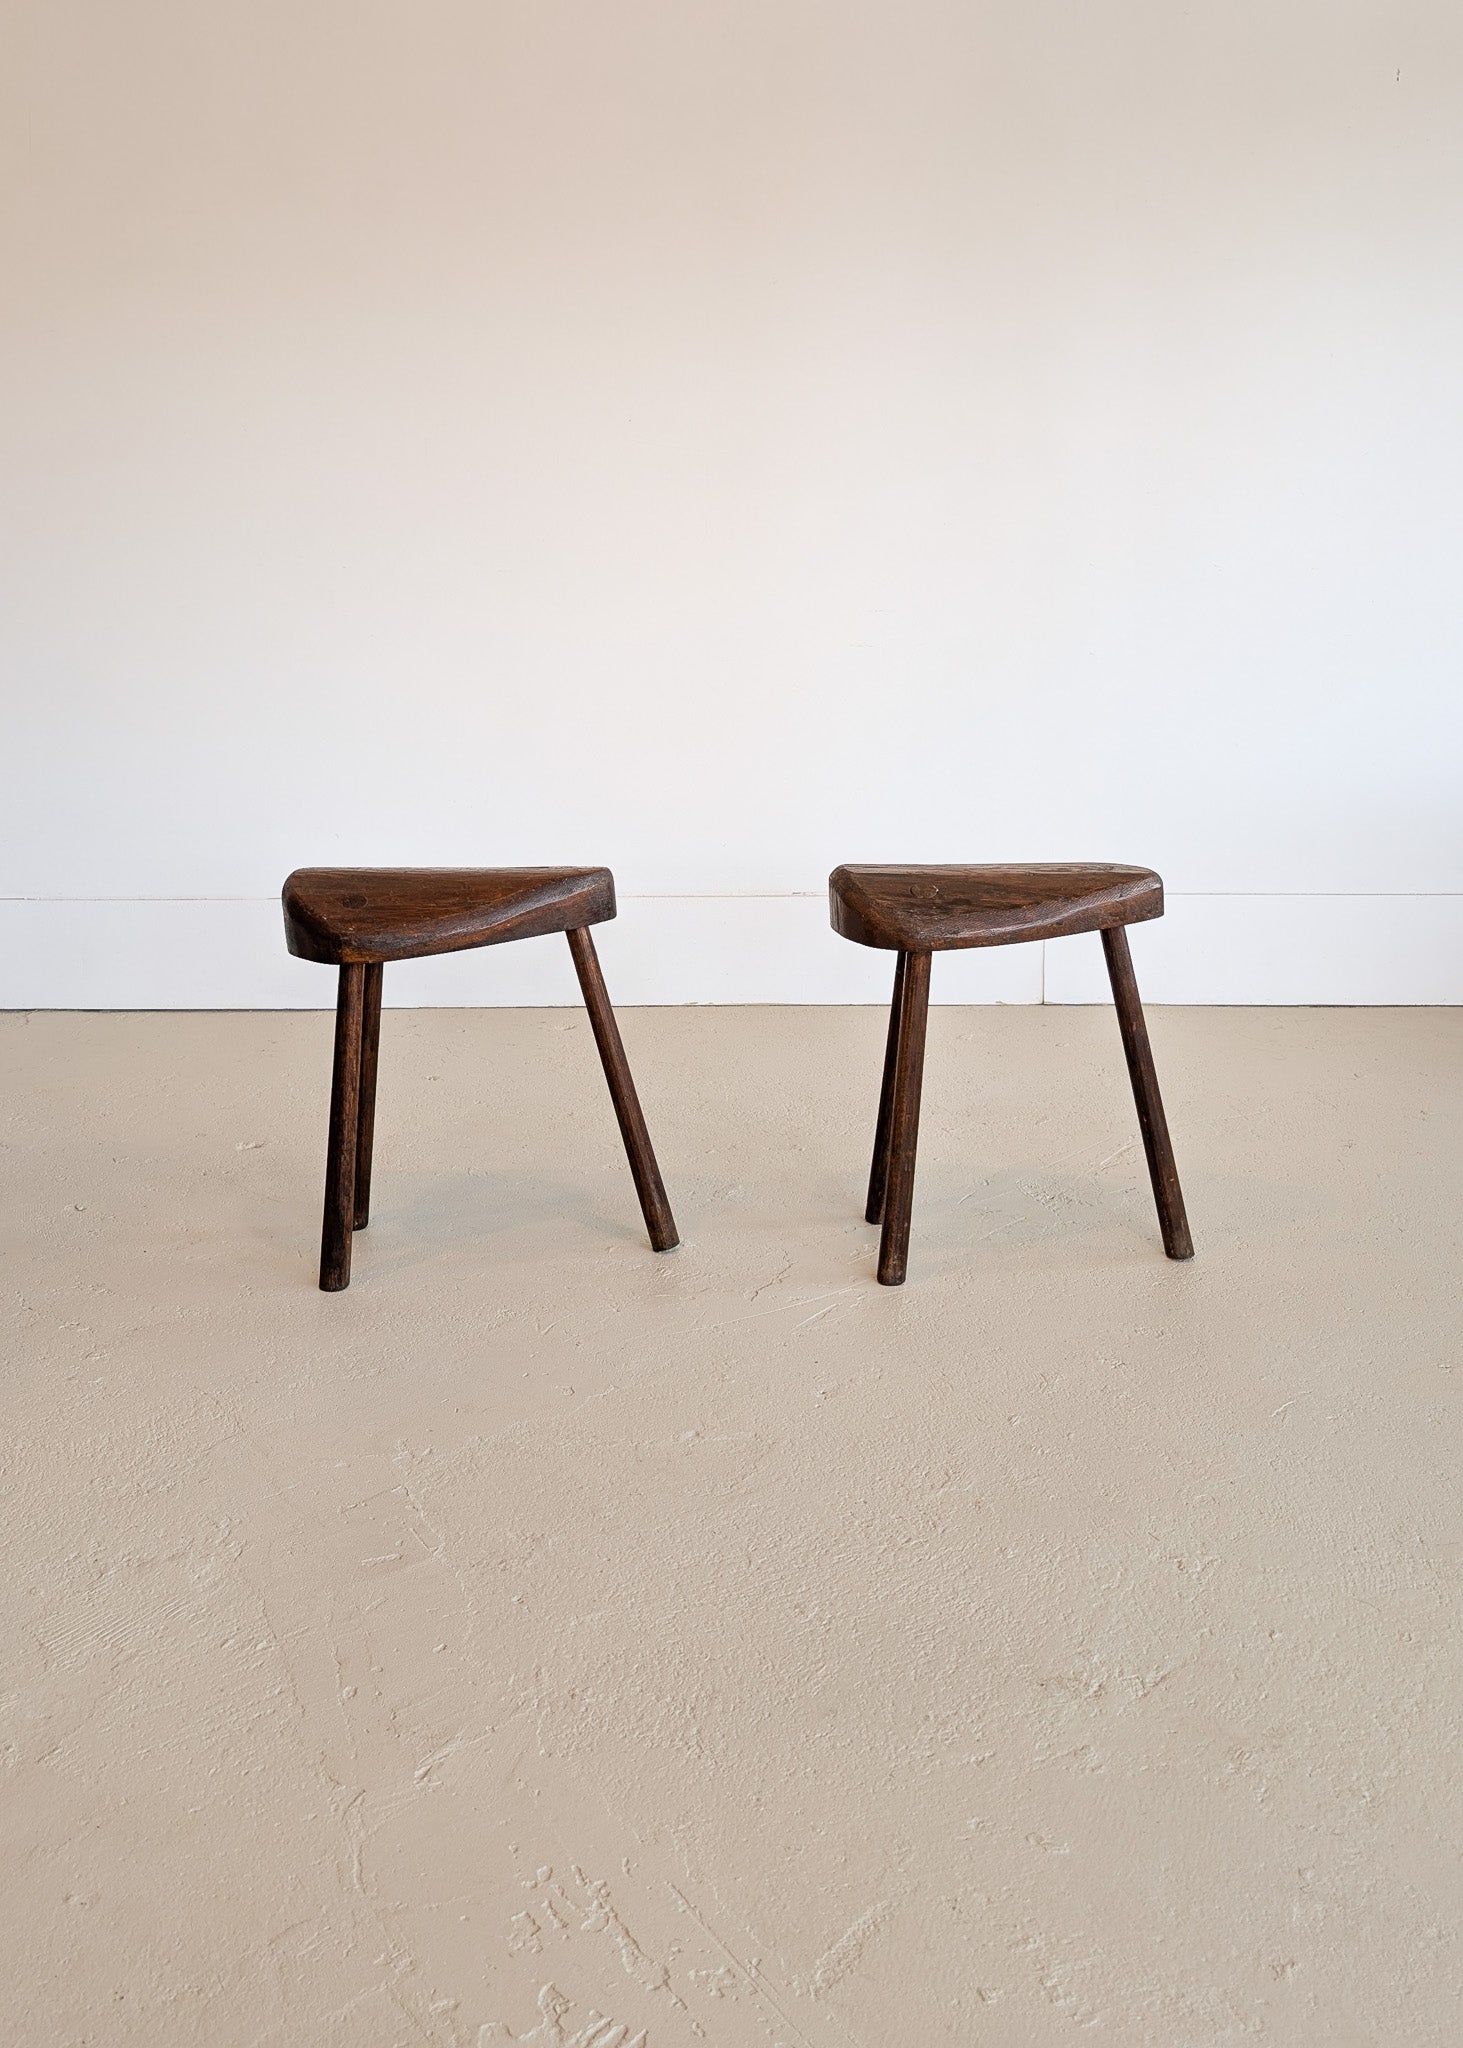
228,954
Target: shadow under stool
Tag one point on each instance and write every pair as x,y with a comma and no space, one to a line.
917,911
358,919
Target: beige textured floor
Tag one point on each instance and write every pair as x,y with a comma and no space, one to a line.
549,1642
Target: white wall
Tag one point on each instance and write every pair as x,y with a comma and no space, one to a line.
722,440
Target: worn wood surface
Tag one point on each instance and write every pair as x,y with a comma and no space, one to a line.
917,910
649,1186
339,914
879,1168
340,1153
940,909
909,1066
1167,1194
366,1106
362,917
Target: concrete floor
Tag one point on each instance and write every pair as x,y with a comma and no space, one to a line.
549,1642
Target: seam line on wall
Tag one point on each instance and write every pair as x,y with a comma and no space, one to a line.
815,895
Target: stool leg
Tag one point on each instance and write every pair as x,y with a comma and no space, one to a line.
366,1106
1167,1193
909,1066
649,1186
879,1171
340,1156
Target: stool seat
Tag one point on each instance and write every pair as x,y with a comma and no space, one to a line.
940,909
346,915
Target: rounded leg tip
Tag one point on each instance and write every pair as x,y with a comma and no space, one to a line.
334,1283
666,1244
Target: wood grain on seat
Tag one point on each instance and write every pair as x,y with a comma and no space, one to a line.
939,909
344,915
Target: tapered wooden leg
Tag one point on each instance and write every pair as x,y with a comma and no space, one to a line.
909,1066
366,1107
340,1157
879,1170
1151,1121
649,1186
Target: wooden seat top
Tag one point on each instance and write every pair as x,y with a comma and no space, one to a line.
346,915
940,909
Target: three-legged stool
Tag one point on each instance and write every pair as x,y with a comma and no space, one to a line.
360,918
917,911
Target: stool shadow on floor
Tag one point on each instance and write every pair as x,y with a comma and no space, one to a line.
990,1227
422,1215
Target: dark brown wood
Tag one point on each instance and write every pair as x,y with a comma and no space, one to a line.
366,1107
937,909
1162,1171
879,1169
649,1186
340,1156
909,1065
358,918
338,914
915,911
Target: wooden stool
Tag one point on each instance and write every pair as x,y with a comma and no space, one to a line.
359,918
918,911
